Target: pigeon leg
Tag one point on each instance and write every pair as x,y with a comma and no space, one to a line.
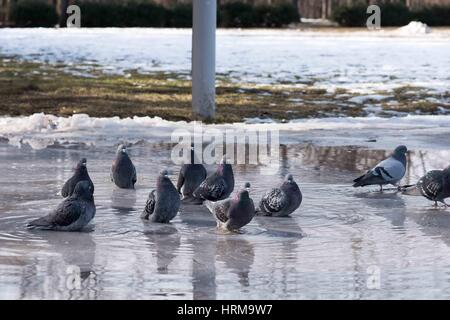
381,188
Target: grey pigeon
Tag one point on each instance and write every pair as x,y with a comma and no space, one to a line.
282,201
388,171
217,186
164,202
81,174
435,185
72,214
191,176
123,172
233,213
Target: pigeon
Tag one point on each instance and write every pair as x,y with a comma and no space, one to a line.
81,174
282,201
435,185
164,202
123,172
388,171
217,186
233,213
73,214
191,176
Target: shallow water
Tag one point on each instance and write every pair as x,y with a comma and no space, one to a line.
328,248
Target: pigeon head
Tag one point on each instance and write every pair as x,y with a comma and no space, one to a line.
81,164
400,150
83,190
192,155
224,159
244,194
289,178
121,149
224,165
400,154
193,158
247,186
163,179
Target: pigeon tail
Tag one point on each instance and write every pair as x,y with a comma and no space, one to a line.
368,179
411,190
41,223
210,205
191,200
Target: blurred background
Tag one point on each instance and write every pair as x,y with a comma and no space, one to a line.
231,13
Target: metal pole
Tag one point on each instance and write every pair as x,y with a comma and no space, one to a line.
203,59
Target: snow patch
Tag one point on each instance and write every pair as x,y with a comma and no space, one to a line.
362,99
414,28
360,63
40,130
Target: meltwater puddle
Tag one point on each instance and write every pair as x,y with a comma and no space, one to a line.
325,250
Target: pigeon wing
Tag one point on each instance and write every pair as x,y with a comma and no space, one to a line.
220,209
390,169
431,185
65,189
273,201
66,213
211,189
150,205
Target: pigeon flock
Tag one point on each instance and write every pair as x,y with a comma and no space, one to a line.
195,187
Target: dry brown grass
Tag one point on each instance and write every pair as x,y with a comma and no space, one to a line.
27,88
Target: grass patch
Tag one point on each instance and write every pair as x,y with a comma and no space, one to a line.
27,88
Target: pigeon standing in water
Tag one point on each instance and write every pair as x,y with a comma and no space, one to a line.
217,186
282,201
72,214
233,213
164,202
388,171
435,185
123,172
190,177
81,174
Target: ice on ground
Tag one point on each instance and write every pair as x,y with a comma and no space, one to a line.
414,28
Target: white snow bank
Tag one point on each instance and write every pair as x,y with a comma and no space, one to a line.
414,28
41,130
